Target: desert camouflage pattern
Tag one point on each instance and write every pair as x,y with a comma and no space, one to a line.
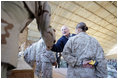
15,16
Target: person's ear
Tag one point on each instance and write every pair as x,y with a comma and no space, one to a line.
79,30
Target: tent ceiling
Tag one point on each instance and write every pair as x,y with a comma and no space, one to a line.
99,16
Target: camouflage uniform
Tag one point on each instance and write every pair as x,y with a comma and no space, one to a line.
16,15
84,47
47,58
39,49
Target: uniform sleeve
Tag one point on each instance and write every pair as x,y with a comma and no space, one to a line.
101,68
67,54
52,58
58,47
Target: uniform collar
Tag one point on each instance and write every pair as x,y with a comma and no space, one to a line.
81,33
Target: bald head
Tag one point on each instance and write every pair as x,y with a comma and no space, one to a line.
65,30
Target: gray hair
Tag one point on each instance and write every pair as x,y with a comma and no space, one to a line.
64,26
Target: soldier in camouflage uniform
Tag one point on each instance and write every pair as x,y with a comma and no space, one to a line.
47,58
44,60
39,49
79,50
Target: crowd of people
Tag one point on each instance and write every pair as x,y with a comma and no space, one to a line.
112,68
82,53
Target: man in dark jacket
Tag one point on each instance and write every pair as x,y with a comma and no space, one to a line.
58,47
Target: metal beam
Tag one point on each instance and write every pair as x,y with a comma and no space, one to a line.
104,8
92,13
